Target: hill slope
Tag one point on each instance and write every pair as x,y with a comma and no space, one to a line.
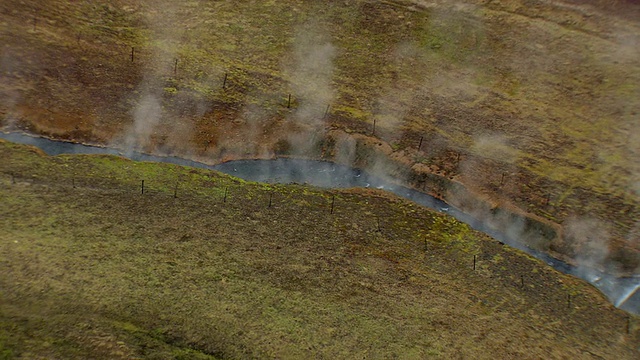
530,104
228,269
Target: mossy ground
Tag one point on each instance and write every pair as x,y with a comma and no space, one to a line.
93,266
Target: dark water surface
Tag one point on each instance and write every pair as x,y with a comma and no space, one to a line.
622,292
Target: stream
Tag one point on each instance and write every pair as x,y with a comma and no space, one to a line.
623,292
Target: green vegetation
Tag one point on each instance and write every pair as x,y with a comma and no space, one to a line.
92,266
559,87
529,103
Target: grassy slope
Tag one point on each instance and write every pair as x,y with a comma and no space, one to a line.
539,95
91,266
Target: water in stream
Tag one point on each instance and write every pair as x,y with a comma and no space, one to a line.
622,292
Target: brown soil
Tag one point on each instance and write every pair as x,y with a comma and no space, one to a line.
529,105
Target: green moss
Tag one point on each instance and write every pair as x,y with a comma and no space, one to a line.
171,90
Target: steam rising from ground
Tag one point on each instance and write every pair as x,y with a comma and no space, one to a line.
495,147
391,108
589,239
312,72
254,143
9,97
310,76
345,149
146,117
148,114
